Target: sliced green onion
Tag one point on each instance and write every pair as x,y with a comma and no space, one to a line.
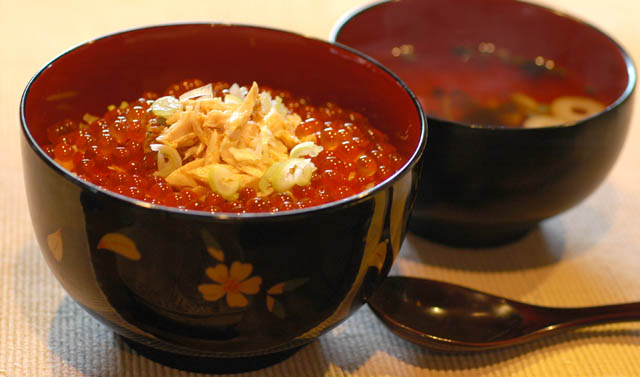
203,91
230,98
165,107
265,102
283,175
168,159
303,176
542,120
224,181
238,91
575,108
280,107
266,182
308,148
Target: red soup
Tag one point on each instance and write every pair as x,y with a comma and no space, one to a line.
487,84
225,148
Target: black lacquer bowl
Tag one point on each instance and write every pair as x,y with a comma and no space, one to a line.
483,183
138,267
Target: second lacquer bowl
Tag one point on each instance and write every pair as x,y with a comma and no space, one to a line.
479,68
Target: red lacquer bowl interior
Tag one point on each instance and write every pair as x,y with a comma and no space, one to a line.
122,66
488,49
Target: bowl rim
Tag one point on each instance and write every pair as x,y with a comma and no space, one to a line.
349,201
623,97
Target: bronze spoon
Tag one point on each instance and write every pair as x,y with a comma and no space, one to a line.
447,317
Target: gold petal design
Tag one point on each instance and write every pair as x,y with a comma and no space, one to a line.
54,240
211,292
380,254
120,244
219,273
276,289
241,271
250,286
236,300
270,302
216,254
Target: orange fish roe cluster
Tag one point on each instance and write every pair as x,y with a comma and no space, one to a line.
113,152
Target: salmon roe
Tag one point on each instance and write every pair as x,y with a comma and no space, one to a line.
113,152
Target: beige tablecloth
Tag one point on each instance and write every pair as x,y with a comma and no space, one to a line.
587,256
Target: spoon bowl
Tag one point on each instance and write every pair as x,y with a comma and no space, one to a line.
447,317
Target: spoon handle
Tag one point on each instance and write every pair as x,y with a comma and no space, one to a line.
563,318
605,313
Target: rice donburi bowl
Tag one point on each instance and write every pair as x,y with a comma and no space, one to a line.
217,284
